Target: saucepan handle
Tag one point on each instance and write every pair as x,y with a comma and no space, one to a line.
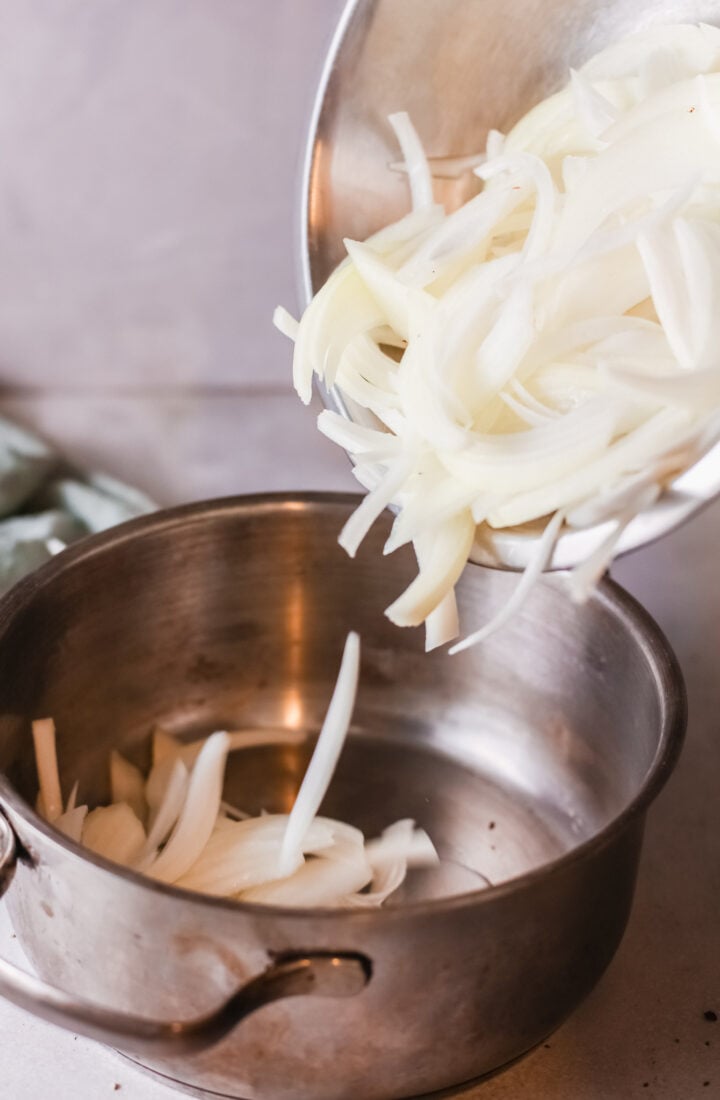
326,974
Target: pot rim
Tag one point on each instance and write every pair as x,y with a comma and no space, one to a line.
628,611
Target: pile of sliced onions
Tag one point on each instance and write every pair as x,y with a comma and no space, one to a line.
174,826
549,351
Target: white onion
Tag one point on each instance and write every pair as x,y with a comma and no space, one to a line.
540,561
416,163
72,797
199,842
71,823
592,109
446,167
285,323
43,730
127,785
441,566
166,812
375,503
244,854
114,832
317,883
197,818
584,578
559,332
400,846
325,757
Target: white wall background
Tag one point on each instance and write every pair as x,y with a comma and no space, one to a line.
149,177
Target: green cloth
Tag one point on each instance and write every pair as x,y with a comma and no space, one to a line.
46,504
25,462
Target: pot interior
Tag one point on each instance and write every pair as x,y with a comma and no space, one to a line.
233,615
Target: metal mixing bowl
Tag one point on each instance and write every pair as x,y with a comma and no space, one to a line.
531,762
460,68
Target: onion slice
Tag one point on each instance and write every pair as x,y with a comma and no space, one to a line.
127,785
197,818
71,823
166,813
537,565
415,160
43,730
316,884
325,757
243,854
114,832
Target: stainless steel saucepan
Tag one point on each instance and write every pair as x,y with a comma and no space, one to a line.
531,761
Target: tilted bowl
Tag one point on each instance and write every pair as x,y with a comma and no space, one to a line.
530,760
461,68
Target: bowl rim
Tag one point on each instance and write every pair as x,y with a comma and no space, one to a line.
630,614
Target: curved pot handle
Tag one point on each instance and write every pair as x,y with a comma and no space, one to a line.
340,974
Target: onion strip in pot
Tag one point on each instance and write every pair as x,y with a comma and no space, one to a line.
43,730
167,813
127,785
199,842
72,822
197,817
324,760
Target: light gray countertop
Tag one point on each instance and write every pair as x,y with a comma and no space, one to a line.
181,385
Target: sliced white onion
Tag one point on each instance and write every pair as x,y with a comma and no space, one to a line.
244,854
127,785
157,784
317,883
114,832
71,823
399,847
594,111
325,757
355,437
72,797
375,503
285,323
402,840
442,624
165,813
293,860
197,818
635,451
343,310
446,168
445,561
232,813
560,329
583,579
415,160
43,730
537,565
